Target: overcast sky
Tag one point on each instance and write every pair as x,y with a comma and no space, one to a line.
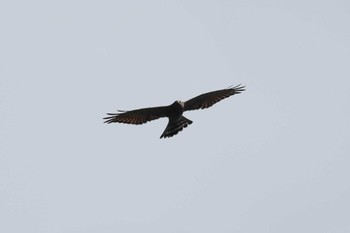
272,159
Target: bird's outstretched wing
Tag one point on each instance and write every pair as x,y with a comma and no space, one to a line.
138,116
209,99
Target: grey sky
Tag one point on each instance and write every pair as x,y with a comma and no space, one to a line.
273,159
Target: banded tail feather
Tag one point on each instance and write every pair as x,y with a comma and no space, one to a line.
175,126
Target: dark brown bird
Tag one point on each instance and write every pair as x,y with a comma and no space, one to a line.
174,111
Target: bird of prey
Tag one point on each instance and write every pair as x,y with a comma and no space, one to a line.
177,122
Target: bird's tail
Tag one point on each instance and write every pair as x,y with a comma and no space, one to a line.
174,126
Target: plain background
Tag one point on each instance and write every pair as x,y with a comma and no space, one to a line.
273,159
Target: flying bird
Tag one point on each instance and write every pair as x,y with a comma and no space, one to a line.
177,122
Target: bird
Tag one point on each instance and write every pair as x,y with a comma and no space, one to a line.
177,122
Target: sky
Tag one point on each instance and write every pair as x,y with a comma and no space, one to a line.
272,159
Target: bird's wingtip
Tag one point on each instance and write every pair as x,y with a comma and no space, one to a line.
237,89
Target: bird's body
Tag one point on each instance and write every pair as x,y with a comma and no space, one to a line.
177,122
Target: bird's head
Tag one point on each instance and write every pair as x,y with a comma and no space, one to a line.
181,103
